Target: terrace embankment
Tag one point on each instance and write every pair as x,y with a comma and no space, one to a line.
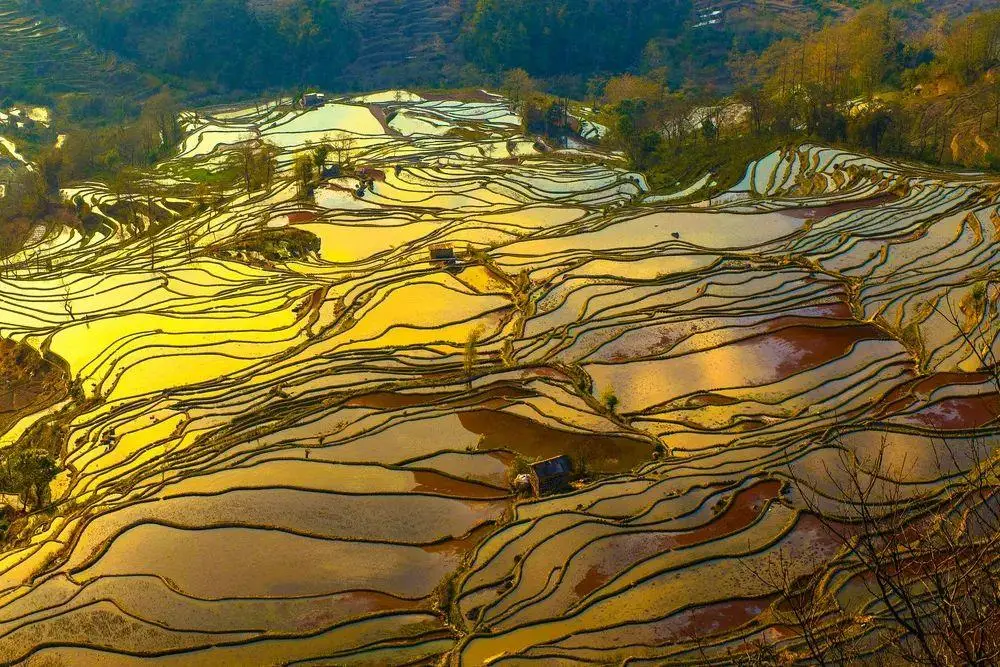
335,391
600,453
820,212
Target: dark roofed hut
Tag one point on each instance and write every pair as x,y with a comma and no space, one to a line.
553,474
312,100
443,255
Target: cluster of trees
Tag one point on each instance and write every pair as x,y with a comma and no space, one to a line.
311,167
273,245
540,113
232,43
29,466
806,81
26,195
677,42
972,47
255,162
109,152
26,473
136,143
867,83
241,45
864,83
558,37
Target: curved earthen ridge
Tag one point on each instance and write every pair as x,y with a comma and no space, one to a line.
307,457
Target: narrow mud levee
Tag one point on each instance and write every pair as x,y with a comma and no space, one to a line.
301,409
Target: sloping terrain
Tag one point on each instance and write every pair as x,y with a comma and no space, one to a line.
357,45
40,56
308,460
404,40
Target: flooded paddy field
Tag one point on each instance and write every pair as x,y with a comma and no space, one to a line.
312,458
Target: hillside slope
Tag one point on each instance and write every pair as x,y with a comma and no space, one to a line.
39,57
355,44
404,42
281,456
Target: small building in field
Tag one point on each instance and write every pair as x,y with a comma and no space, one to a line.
553,474
443,254
311,100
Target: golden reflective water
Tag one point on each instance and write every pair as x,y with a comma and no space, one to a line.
311,459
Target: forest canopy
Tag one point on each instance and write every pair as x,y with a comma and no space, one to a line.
256,45
231,43
568,36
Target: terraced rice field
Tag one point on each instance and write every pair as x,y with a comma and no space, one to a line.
39,54
412,50
301,461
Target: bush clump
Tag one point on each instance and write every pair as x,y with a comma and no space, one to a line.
275,245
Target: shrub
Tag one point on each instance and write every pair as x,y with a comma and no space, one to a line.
610,399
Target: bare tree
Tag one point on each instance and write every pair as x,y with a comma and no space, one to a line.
255,161
126,188
517,86
471,354
928,558
68,300
342,145
803,606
